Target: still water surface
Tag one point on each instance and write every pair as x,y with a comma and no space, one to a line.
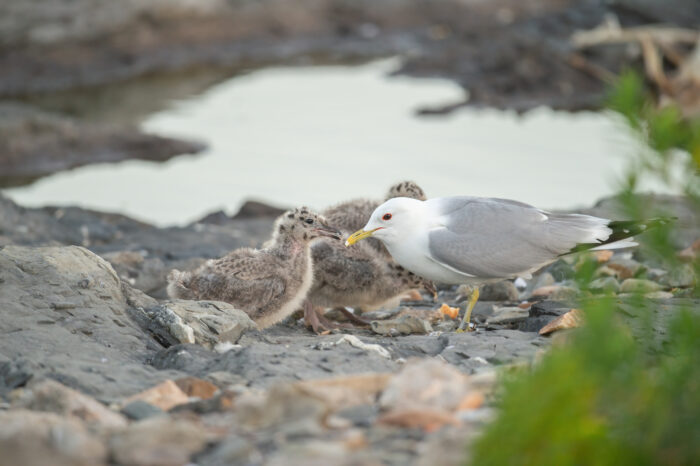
322,134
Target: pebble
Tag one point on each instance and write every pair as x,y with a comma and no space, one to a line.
164,395
404,325
639,285
352,340
691,252
659,295
52,396
40,438
626,268
545,291
139,409
158,441
604,285
561,270
507,315
564,293
680,277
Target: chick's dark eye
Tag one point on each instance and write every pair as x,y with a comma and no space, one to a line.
386,217
309,221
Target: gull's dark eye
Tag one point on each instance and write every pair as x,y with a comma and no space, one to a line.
386,217
309,221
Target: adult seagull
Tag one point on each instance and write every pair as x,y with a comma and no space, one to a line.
473,240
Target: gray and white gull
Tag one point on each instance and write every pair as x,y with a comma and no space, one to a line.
472,240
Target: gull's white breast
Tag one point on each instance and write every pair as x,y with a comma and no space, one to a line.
413,253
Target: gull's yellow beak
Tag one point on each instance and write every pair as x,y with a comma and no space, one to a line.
358,235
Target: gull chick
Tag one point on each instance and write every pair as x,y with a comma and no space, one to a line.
365,277
268,284
464,240
359,278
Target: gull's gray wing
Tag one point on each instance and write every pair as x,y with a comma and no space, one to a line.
499,238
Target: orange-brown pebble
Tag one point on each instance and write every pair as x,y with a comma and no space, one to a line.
602,256
545,290
572,319
451,312
473,400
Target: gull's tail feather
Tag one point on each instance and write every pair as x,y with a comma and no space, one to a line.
178,285
622,234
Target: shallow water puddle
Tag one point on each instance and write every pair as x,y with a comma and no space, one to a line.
317,135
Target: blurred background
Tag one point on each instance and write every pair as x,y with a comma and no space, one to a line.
168,110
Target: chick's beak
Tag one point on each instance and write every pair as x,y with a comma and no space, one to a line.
358,235
329,232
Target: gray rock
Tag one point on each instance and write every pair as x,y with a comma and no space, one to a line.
507,315
541,280
264,360
638,285
604,285
234,450
564,293
658,295
63,313
158,440
35,438
404,325
164,317
473,351
625,268
561,270
210,322
139,409
360,415
51,396
680,277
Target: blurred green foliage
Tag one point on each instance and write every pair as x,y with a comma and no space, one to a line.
624,389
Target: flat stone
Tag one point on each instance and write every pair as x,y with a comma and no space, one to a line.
38,438
508,315
158,441
658,295
638,285
211,322
604,285
94,347
51,396
139,409
198,388
164,395
564,293
403,325
681,277
626,268
425,383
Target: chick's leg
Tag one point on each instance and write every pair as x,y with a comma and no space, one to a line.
315,319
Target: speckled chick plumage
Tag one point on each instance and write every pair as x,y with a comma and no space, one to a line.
268,284
358,278
365,277
352,215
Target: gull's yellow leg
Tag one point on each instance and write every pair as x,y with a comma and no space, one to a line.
468,313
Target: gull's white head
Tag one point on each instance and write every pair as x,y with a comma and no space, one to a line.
390,221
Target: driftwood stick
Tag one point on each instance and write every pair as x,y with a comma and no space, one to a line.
607,34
